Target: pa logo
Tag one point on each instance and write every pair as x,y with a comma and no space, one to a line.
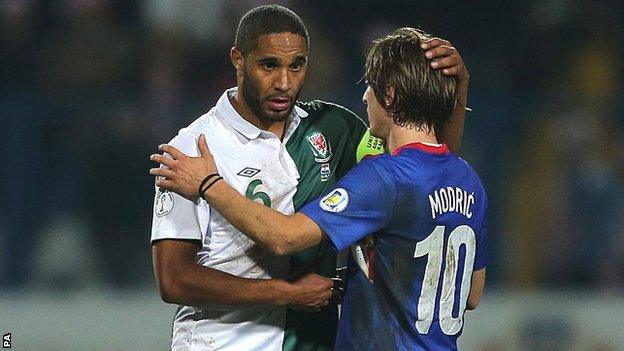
6,341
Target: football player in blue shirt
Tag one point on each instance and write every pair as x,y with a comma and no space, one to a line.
424,207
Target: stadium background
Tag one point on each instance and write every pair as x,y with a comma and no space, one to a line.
89,87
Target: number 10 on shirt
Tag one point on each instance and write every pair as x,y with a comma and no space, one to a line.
433,248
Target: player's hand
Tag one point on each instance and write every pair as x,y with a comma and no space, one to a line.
179,172
311,292
442,55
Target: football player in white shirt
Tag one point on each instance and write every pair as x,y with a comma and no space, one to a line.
232,293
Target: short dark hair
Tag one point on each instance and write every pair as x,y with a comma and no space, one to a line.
267,19
422,95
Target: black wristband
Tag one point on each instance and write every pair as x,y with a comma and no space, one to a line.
208,177
203,191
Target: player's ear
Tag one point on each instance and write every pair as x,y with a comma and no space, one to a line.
238,60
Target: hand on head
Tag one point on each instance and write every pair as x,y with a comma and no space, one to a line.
444,56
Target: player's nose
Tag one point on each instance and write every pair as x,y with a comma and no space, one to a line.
282,81
364,100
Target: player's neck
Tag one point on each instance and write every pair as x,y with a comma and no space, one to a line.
239,104
399,136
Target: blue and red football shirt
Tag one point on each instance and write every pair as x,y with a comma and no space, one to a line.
426,210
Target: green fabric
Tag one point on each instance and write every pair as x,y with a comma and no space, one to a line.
369,146
343,131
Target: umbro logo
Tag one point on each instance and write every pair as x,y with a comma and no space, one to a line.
248,172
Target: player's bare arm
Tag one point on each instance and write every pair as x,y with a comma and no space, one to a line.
279,233
443,55
182,281
476,289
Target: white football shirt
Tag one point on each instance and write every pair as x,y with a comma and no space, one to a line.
256,163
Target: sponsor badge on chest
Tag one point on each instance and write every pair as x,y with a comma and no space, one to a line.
320,147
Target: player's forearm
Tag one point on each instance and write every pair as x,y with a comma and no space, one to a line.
203,286
476,289
453,131
279,233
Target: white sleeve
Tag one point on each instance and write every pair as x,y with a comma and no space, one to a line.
173,216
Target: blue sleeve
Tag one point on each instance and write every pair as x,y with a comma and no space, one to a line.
481,256
360,204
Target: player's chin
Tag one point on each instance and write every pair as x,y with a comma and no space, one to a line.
376,132
277,116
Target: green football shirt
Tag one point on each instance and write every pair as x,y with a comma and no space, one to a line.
324,148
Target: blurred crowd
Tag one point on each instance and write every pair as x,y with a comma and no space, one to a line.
88,88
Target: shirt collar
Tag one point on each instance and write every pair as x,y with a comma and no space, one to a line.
430,148
233,118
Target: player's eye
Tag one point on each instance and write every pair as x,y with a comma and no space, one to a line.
269,66
297,66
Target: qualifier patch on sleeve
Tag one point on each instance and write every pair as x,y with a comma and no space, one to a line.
164,203
336,201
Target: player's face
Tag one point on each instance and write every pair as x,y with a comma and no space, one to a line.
377,116
273,75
